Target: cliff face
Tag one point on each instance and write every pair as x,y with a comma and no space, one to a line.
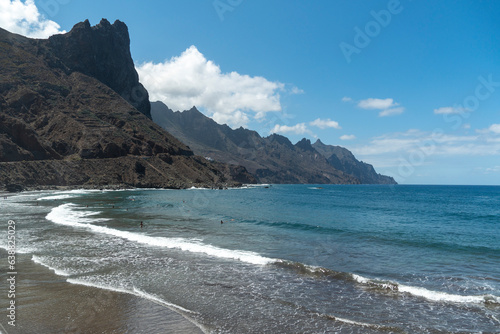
101,52
273,159
341,158
64,121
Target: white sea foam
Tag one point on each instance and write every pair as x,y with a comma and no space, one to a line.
65,194
360,279
156,299
438,296
57,271
134,291
435,296
357,323
67,215
56,197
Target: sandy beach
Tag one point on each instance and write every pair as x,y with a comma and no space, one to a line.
46,303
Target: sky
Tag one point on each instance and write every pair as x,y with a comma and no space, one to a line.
409,86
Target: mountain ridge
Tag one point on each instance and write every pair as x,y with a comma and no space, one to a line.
343,159
272,159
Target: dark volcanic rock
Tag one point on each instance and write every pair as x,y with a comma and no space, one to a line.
305,144
102,52
63,121
341,158
129,171
14,188
271,160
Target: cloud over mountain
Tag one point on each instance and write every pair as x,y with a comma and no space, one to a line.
325,123
192,80
24,18
298,129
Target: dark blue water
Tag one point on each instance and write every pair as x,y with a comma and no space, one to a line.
287,258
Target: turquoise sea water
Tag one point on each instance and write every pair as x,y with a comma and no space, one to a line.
287,259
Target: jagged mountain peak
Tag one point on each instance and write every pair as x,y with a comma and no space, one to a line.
343,159
103,52
305,144
272,159
318,142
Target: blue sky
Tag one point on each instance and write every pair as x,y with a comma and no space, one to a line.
410,86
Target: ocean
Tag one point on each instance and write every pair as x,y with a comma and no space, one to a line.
270,259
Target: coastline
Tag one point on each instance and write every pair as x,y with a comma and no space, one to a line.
47,303
83,187
20,188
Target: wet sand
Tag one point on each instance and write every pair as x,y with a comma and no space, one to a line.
46,303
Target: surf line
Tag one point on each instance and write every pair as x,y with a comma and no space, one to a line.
66,214
430,295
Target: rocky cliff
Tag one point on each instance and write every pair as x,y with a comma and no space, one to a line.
101,52
341,158
68,116
272,159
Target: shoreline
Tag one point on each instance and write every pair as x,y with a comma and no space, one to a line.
48,303
20,188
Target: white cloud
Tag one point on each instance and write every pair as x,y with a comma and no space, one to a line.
449,110
495,169
296,90
391,111
387,107
436,143
377,103
346,99
237,117
495,128
325,123
192,80
297,129
347,137
24,18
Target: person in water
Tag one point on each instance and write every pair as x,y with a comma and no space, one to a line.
142,224
221,222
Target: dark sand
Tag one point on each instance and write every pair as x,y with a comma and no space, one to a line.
46,303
